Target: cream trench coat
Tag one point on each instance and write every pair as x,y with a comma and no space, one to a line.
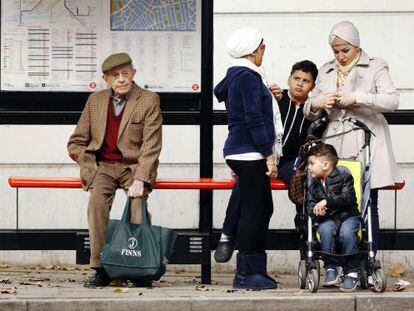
375,94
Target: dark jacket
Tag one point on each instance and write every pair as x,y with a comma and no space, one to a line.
339,192
293,120
250,112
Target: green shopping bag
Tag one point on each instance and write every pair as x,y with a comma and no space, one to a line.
136,251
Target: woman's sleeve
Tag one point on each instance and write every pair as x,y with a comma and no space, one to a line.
309,114
251,93
385,98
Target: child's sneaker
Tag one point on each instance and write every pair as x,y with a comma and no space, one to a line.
349,284
331,277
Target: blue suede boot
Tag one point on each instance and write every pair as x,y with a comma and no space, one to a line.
251,272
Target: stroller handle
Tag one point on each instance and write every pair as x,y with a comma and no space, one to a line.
364,127
314,125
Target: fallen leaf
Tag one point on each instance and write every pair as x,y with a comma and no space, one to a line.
12,291
34,279
4,265
402,283
201,288
397,270
68,268
231,290
121,290
117,283
399,288
31,284
5,281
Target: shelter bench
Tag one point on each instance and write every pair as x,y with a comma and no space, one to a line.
193,246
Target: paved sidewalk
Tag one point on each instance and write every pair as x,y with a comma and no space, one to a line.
60,288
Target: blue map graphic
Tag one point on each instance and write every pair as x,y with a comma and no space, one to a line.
153,15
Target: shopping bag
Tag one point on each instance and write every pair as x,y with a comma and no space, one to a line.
297,185
136,251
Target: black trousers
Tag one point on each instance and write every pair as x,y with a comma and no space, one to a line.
231,221
256,205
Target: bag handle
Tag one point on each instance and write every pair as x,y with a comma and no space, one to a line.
126,215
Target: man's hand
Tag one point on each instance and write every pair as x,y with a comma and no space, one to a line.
320,208
347,100
276,91
136,189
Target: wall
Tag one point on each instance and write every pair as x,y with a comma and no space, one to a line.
293,30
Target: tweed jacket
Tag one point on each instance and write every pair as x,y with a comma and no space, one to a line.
139,137
375,93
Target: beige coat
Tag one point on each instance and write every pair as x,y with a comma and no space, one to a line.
375,93
139,137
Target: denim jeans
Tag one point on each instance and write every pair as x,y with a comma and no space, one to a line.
231,222
347,236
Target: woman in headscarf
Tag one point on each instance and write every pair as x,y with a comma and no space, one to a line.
356,85
251,149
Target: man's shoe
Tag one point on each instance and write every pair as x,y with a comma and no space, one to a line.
224,250
349,284
331,278
147,283
100,279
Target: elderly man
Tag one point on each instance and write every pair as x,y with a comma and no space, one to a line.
116,143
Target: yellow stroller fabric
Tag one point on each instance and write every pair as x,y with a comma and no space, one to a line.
355,168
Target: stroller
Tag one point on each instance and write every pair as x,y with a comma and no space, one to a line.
309,267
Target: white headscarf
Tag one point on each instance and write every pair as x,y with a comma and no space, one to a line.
346,31
243,41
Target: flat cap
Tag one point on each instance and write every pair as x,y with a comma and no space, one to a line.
115,60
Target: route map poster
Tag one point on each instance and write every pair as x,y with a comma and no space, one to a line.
59,45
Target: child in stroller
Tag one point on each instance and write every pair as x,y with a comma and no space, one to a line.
333,205
347,257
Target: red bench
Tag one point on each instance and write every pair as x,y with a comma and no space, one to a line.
189,183
192,246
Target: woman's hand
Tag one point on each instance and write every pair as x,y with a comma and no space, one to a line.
325,100
271,167
347,100
271,170
276,91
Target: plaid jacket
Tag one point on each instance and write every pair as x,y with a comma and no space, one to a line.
139,137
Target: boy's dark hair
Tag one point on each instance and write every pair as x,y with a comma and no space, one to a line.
325,150
306,66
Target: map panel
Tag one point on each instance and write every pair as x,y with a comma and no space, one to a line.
59,45
153,15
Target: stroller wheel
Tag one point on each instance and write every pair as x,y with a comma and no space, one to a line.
363,275
302,274
380,280
313,280
318,266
